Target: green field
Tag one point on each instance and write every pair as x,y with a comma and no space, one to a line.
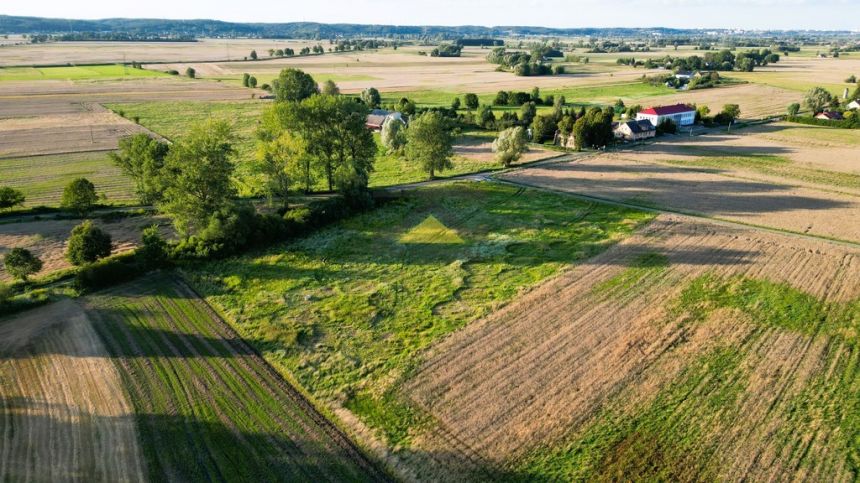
42,178
89,72
349,310
171,119
207,408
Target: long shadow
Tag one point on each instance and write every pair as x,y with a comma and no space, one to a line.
174,448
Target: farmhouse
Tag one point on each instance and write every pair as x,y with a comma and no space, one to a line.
377,118
829,116
634,130
680,114
855,104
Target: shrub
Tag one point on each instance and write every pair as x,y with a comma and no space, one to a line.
87,244
109,272
10,197
471,100
190,72
154,251
79,196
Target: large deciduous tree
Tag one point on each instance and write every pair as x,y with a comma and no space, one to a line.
429,142
510,145
87,244
141,158
371,97
282,160
10,198
79,196
294,85
818,99
197,175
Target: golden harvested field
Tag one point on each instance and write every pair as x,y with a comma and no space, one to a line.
405,70
113,52
480,150
47,239
64,416
690,351
634,177
803,73
756,101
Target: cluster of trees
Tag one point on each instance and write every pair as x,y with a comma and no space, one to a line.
361,44
248,80
447,50
722,60
818,100
288,52
607,46
524,64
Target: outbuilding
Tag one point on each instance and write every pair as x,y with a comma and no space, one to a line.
377,117
829,116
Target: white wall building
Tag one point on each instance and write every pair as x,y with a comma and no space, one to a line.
680,114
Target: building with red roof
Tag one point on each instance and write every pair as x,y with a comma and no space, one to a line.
680,114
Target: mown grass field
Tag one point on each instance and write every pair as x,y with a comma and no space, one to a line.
90,72
207,407
349,311
42,178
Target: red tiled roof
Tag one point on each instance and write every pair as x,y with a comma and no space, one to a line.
667,110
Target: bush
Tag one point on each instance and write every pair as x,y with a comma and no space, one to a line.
87,244
190,72
109,272
668,126
79,196
10,197
154,251
472,101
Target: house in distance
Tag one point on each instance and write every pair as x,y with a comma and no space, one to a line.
680,114
634,130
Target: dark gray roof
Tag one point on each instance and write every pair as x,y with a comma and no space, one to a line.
641,126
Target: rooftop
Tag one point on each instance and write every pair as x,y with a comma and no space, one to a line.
667,110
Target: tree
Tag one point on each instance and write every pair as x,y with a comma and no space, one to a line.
472,100
818,99
190,72
501,99
252,82
543,128
594,128
793,109
330,88
731,111
10,198
20,263
141,158
393,135
430,143
253,55
371,97
87,244
527,113
245,78
510,145
197,175
279,160
486,118
455,104
79,196
294,85
668,126
535,96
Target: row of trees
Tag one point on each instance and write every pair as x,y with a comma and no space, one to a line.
722,60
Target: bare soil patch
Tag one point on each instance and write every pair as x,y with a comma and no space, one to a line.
47,239
602,339
624,177
477,149
65,415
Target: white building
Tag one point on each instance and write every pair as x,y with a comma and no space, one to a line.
854,104
680,114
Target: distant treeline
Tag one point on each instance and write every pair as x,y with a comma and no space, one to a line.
106,37
312,30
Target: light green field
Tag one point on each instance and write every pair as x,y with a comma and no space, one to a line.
348,310
90,72
42,178
788,81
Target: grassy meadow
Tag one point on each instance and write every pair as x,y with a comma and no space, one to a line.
349,310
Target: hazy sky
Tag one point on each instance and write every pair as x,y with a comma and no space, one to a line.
748,14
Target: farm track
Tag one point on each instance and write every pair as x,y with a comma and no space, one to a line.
504,391
194,359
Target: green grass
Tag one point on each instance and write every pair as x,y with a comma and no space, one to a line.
789,82
42,178
90,72
206,408
349,311
677,435
773,166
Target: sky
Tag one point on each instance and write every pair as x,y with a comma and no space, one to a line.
740,14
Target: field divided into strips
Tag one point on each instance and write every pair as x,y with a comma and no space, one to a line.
42,178
63,413
207,407
688,352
